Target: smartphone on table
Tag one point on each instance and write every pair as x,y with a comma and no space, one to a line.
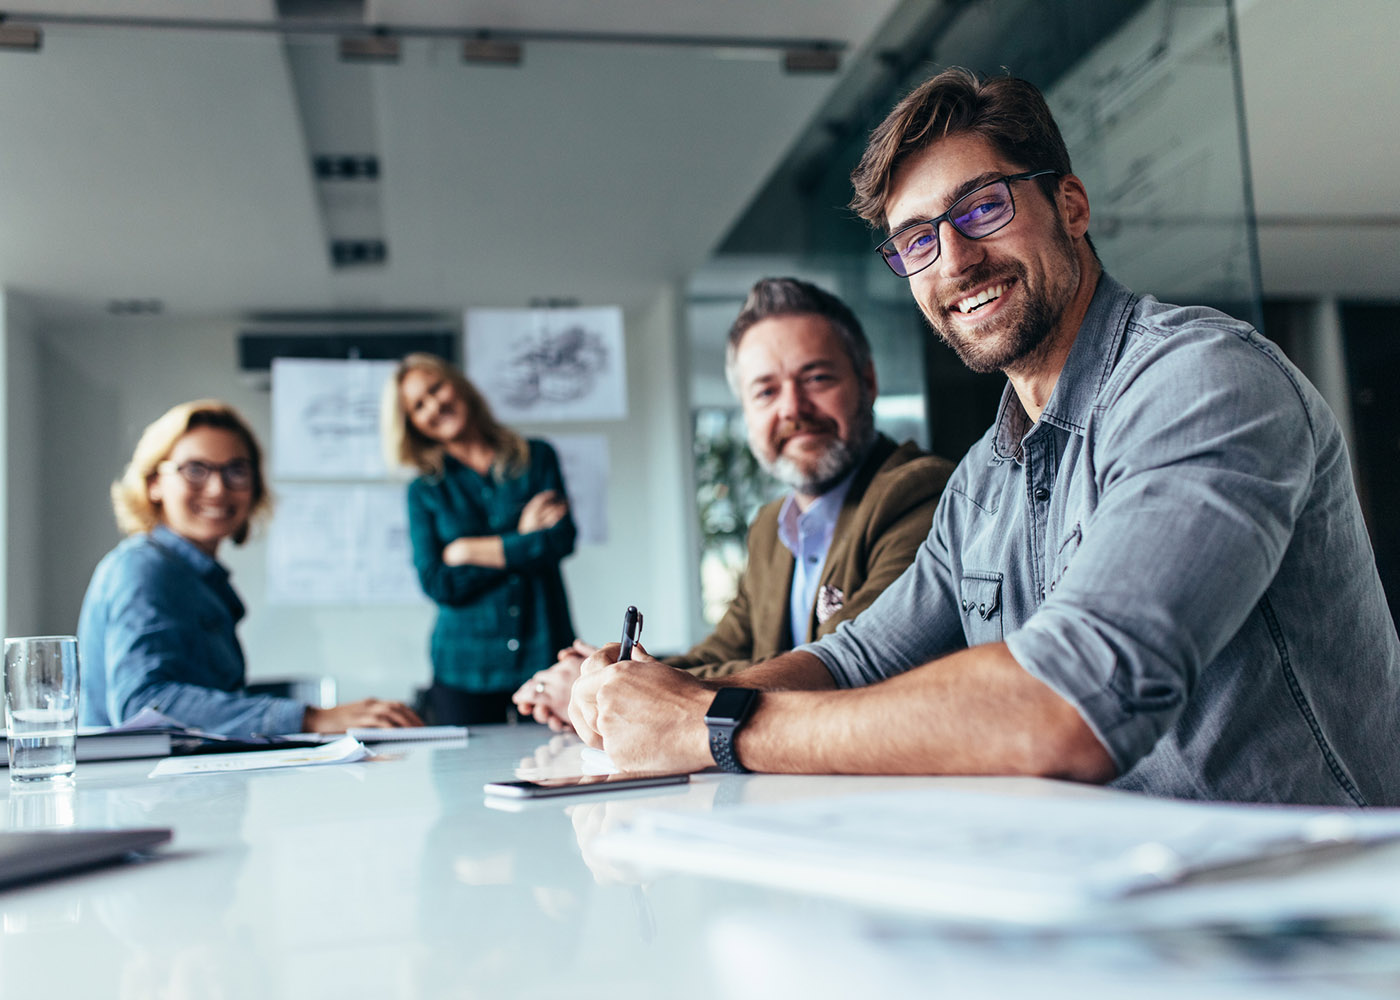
575,784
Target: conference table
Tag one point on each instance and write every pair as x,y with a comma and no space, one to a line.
396,877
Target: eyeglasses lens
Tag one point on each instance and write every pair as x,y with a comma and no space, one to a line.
237,475
975,215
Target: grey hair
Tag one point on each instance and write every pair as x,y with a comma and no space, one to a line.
793,297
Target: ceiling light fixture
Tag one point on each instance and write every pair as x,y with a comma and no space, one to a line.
488,51
19,37
382,42
376,48
817,59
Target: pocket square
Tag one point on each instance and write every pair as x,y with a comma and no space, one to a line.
829,601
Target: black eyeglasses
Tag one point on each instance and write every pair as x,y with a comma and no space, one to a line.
237,475
976,214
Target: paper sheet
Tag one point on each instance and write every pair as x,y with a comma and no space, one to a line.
325,418
548,364
583,460
1029,859
343,751
412,734
341,544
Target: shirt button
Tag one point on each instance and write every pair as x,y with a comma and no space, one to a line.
982,609
513,645
1042,494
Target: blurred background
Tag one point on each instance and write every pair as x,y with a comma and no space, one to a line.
180,180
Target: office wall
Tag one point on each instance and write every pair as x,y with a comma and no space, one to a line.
20,597
93,387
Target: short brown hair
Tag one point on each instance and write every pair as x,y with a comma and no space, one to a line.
771,297
1010,114
131,499
405,444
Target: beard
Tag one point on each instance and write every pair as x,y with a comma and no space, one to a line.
1011,340
837,459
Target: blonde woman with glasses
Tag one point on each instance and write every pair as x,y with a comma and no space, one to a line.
157,627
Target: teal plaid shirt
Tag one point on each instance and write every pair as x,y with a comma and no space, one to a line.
495,627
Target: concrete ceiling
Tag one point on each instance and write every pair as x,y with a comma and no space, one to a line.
175,164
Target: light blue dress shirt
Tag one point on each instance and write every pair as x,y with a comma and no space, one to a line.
157,630
1177,549
807,535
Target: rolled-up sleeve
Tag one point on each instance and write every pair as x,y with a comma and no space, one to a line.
1201,462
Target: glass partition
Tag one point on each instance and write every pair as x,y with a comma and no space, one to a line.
1146,95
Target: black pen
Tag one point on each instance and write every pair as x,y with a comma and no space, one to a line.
631,631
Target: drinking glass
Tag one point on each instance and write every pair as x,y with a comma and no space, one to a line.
41,706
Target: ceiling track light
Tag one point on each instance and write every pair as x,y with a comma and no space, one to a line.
499,46
811,60
20,37
375,48
487,51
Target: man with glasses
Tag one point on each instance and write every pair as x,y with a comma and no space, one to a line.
1151,571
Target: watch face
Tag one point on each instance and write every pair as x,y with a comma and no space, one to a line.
731,704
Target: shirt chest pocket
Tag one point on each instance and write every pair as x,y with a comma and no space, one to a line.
980,601
1066,553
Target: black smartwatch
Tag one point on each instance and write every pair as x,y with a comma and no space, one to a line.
730,710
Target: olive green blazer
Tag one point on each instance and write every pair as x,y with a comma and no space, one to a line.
885,518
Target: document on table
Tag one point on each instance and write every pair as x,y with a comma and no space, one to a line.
343,751
1026,858
411,734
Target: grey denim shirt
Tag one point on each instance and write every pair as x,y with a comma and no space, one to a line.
1177,549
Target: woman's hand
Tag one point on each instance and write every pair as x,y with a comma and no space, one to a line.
486,550
543,510
545,696
369,713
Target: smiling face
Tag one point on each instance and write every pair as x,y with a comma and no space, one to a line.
997,301
807,410
433,405
206,514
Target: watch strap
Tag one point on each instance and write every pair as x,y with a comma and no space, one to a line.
722,750
730,710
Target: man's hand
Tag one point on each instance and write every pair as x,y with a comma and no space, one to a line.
543,510
645,715
369,713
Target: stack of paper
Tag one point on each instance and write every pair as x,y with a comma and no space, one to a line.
1030,859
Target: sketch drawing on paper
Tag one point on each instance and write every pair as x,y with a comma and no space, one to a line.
558,367
325,417
536,365
335,416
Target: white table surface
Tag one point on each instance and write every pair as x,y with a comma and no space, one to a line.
393,878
